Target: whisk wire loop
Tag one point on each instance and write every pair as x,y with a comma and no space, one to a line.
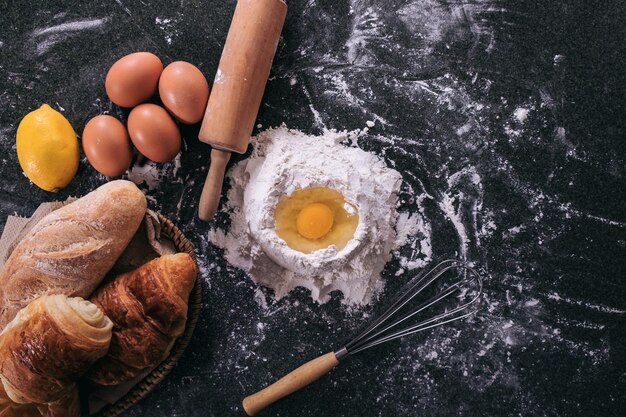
378,332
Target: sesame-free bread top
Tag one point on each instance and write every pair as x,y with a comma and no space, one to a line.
71,249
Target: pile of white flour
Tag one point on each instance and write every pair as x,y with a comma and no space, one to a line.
287,160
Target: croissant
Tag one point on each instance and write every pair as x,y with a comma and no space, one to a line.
148,307
49,345
67,406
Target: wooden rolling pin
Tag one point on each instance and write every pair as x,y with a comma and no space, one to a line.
238,88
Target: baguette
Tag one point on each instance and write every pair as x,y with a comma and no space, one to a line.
71,249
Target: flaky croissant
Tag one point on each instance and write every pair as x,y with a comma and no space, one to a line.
66,406
148,307
49,345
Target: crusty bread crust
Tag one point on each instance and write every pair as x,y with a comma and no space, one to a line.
71,249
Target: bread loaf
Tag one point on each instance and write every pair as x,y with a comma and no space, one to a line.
49,345
148,307
71,249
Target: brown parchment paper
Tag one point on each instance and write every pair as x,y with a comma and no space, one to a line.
147,244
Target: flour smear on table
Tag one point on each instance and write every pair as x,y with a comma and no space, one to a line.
456,154
456,130
288,160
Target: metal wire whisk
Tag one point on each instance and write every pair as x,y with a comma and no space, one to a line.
429,313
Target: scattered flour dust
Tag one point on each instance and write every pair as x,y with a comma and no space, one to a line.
287,160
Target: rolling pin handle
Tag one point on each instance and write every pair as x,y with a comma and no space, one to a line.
212,190
238,88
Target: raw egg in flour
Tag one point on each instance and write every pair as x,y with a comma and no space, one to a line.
315,221
315,218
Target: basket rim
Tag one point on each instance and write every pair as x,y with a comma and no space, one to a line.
158,374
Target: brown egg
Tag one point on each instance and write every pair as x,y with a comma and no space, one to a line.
107,145
153,132
133,79
184,91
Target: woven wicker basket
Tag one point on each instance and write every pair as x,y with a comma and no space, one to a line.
144,387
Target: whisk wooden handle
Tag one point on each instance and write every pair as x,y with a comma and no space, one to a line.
293,381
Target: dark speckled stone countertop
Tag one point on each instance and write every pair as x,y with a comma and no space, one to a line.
513,113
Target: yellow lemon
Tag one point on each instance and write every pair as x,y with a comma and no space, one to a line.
47,148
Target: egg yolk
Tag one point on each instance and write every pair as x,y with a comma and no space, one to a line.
315,218
315,221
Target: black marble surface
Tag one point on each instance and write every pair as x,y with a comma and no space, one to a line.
513,112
